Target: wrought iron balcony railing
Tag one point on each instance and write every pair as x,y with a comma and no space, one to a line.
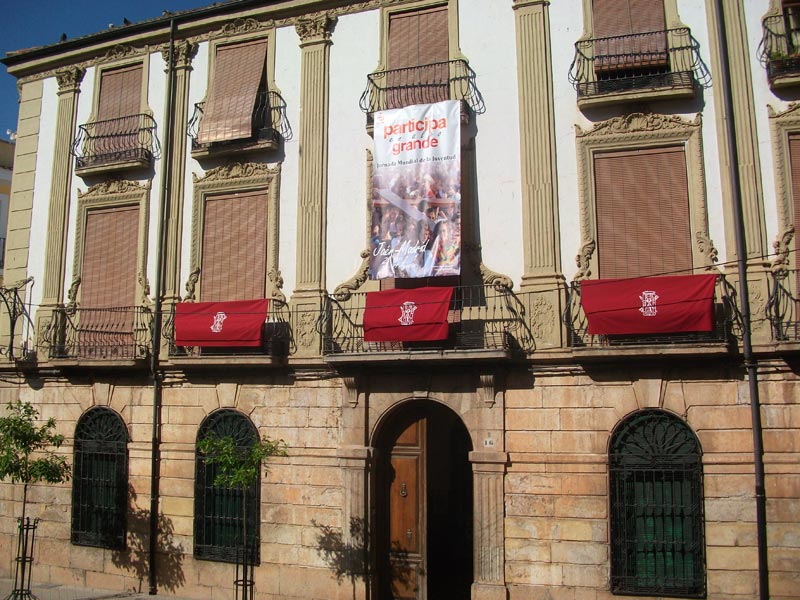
783,308
123,140
779,50
269,125
118,333
666,59
423,84
480,317
276,337
726,322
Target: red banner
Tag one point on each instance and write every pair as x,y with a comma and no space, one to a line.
646,305
418,314
236,323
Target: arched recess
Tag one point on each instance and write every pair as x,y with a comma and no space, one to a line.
423,503
218,512
100,480
656,507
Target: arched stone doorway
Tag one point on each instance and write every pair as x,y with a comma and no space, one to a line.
423,504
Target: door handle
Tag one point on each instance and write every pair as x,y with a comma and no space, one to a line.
408,534
403,490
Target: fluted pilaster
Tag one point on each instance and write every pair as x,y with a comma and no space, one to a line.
182,57
488,469
69,81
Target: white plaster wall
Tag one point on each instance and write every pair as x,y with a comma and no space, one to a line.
354,54
198,84
41,190
488,40
156,99
287,78
762,98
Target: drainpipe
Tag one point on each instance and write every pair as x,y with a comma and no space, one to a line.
155,342
747,347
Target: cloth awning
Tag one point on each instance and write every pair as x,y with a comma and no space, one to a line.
411,315
648,305
236,323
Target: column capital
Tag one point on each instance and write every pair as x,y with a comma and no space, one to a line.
317,28
182,56
527,3
69,79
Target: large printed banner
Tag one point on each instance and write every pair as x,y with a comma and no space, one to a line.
416,192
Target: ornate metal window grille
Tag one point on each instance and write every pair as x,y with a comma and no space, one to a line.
657,543
99,486
218,511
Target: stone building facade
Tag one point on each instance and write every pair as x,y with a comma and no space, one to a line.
526,455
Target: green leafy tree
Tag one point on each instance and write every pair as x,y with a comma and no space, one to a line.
238,468
27,456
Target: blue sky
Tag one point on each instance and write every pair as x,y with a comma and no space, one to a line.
29,23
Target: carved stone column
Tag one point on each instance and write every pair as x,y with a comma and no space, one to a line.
69,81
182,57
315,42
488,469
540,227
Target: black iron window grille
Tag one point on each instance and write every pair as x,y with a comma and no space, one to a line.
782,307
423,84
218,511
666,59
269,124
779,49
656,486
99,486
121,140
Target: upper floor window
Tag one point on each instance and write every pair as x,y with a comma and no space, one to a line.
242,109
219,512
780,44
656,503
100,480
121,133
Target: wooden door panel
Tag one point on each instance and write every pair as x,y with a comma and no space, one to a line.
404,500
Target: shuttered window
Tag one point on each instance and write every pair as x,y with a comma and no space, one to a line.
238,77
234,247
417,53
108,274
794,166
115,134
636,29
642,209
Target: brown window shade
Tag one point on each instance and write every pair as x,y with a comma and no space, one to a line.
228,111
637,30
108,273
234,247
642,208
120,93
794,166
417,39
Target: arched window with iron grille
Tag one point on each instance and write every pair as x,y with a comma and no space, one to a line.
656,486
100,480
217,510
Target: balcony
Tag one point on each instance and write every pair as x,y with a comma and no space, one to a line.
779,50
641,66
484,322
717,341
89,335
116,144
276,343
269,127
783,308
423,84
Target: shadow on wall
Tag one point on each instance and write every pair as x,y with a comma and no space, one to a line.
347,558
134,559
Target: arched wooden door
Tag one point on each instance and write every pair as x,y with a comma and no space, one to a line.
424,506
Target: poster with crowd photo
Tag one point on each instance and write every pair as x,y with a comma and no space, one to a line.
416,192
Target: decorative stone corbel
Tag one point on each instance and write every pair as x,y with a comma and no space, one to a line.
495,279
191,283
276,279
344,290
491,387
707,249
351,390
780,264
72,295
584,260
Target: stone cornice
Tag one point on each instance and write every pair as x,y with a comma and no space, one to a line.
237,171
638,122
113,187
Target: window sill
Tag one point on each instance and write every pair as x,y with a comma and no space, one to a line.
269,143
649,93
98,168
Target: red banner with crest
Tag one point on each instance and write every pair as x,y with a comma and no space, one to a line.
418,314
